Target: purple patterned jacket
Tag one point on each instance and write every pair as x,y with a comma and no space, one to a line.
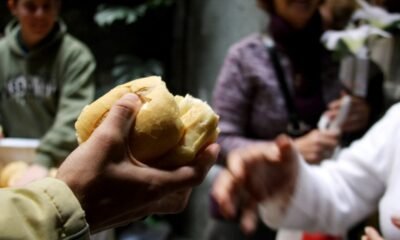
248,98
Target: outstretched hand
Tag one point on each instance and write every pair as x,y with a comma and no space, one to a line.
255,174
112,189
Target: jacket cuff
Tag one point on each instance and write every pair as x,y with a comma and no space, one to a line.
71,217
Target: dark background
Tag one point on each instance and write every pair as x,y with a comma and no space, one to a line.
151,38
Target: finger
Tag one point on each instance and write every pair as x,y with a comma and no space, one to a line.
248,220
121,116
208,156
172,203
372,234
396,221
167,181
328,140
331,114
226,194
235,164
286,148
335,105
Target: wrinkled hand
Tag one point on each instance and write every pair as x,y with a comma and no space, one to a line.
358,115
317,145
112,189
254,174
32,173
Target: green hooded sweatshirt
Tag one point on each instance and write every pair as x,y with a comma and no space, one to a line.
43,90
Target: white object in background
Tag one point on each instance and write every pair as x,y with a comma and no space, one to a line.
17,149
286,234
323,122
342,115
326,124
352,41
354,74
19,142
376,16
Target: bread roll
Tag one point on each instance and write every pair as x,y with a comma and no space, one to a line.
170,128
11,172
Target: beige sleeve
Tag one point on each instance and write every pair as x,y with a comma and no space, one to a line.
45,209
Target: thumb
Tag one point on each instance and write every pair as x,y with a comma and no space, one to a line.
286,148
122,114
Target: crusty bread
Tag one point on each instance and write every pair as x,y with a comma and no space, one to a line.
11,172
170,128
201,128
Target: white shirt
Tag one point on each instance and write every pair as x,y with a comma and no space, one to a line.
338,194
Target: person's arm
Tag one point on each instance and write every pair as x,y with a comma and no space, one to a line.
103,186
335,196
328,198
46,209
232,102
77,91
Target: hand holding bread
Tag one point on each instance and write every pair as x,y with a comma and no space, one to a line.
111,189
170,128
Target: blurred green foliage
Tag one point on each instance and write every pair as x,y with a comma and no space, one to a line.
108,14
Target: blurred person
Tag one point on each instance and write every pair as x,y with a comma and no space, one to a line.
282,81
248,95
331,197
385,52
337,13
46,78
98,186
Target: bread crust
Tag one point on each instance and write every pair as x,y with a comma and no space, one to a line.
11,172
170,128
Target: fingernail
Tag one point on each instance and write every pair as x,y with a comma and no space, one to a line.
131,97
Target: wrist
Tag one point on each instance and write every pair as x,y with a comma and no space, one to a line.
74,185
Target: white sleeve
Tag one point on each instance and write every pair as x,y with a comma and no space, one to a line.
336,195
